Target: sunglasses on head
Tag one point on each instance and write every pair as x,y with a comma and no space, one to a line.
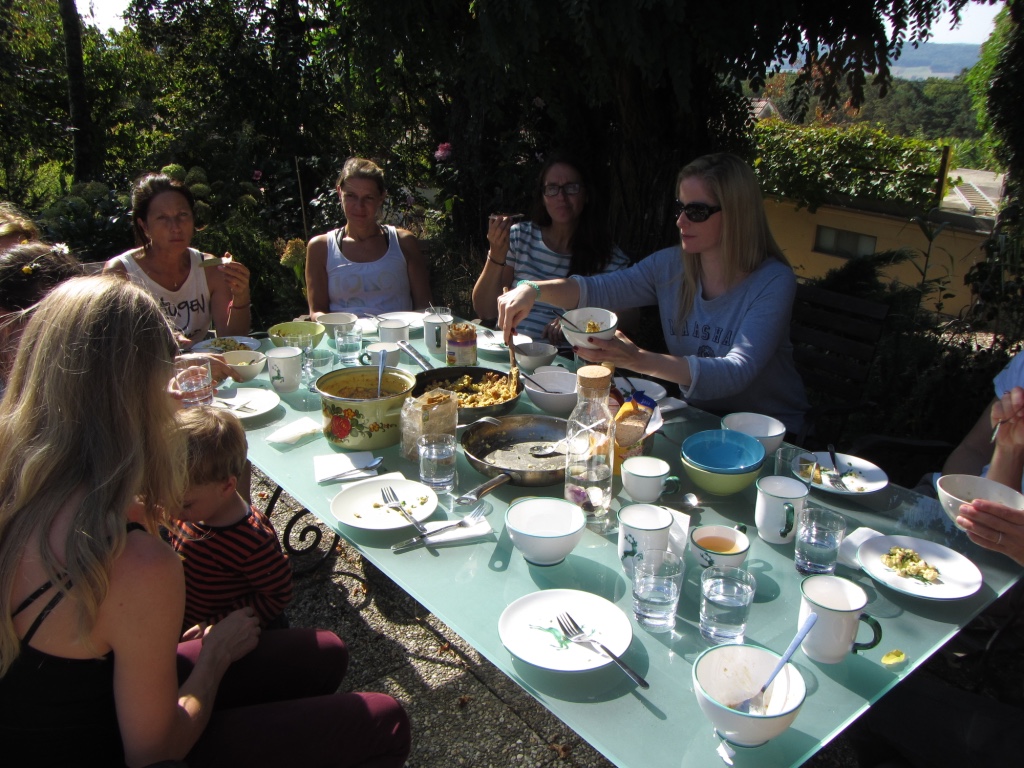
695,212
553,190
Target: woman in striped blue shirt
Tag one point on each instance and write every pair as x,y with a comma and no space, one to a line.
567,234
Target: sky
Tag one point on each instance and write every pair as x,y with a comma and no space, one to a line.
975,26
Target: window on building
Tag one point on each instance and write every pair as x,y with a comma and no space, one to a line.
841,242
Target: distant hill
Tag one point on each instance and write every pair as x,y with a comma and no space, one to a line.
945,60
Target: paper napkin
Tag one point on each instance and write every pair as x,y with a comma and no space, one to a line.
292,433
848,549
480,528
678,534
326,467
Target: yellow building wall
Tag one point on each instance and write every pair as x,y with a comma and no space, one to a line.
955,250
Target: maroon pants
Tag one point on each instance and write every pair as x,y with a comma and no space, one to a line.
278,706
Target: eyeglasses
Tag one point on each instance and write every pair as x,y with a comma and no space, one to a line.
553,190
695,212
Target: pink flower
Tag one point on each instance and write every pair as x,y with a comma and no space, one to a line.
257,175
444,152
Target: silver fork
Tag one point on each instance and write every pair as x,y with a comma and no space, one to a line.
391,501
466,522
574,633
835,478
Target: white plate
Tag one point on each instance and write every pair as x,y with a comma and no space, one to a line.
210,344
496,344
868,477
529,629
260,400
958,576
361,505
652,389
414,319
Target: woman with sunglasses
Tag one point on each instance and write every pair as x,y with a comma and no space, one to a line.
725,300
567,235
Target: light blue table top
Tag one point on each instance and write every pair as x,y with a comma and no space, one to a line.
468,585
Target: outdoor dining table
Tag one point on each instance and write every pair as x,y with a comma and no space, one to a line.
469,584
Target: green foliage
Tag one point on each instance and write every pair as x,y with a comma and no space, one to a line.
92,220
814,164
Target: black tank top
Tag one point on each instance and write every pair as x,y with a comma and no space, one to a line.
56,711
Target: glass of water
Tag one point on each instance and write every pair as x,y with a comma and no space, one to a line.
657,582
195,381
818,536
726,594
437,461
349,344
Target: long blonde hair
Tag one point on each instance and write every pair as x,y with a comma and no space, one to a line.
746,239
85,412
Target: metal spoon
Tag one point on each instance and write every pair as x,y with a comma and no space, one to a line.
570,323
372,465
533,381
744,706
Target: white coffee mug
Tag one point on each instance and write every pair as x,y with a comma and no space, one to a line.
284,367
838,603
718,545
435,331
393,330
642,527
645,478
371,355
779,501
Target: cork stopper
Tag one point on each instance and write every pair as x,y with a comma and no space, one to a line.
594,377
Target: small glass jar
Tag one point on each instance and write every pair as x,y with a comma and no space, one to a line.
461,344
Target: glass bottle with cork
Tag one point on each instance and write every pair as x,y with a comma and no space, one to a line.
590,446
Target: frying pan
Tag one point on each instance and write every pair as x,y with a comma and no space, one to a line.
500,449
431,377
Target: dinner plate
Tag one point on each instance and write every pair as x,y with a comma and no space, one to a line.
958,576
529,629
866,477
210,345
260,400
652,389
496,344
361,506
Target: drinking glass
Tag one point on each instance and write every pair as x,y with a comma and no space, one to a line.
657,582
349,344
793,461
437,461
195,381
726,594
819,534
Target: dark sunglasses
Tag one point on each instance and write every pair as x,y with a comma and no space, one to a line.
553,190
695,212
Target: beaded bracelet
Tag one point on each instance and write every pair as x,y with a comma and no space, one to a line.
531,284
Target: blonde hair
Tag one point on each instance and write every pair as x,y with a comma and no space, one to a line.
746,239
216,442
361,168
13,223
85,412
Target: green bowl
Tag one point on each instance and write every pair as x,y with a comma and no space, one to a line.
719,484
281,334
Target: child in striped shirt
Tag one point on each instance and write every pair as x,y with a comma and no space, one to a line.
230,551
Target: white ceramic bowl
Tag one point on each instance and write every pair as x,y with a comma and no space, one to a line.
768,431
245,364
344,320
728,674
561,399
533,355
545,530
579,317
955,490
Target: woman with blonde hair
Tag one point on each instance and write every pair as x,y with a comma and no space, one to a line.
725,298
91,600
365,267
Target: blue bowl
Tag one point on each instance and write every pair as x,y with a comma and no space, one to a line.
724,451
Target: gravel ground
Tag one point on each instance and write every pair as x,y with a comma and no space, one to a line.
463,709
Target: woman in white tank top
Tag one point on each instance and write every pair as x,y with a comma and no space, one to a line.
365,267
191,295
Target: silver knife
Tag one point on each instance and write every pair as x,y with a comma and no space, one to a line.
416,540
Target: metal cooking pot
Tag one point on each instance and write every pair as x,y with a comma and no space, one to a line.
432,377
500,449
363,423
